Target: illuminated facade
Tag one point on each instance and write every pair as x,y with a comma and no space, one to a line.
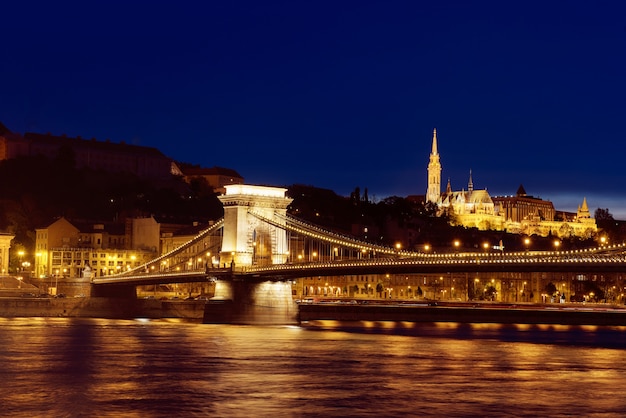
64,249
521,214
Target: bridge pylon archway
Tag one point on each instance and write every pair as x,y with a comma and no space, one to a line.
246,239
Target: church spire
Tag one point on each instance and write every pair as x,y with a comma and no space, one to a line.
433,193
470,184
583,210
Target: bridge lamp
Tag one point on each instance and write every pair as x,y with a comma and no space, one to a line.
456,244
603,240
527,243
398,246
486,246
557,243
426,248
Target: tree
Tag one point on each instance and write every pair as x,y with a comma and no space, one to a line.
379,289
490,292
603,215
550,289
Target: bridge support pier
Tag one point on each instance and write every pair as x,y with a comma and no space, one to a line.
244,302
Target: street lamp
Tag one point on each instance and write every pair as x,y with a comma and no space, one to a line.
20,253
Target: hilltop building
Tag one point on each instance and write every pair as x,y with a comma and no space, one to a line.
216,177
521,214
144,162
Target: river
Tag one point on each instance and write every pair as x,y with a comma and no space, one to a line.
68,367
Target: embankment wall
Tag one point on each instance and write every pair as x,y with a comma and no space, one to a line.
573,316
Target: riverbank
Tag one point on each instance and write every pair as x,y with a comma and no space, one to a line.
93,307
555,314
369,311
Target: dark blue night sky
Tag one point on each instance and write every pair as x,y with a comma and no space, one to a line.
337,94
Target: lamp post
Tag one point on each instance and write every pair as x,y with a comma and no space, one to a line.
20,253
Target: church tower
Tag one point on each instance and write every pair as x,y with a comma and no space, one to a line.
434,173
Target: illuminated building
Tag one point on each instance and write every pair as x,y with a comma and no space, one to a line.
65,248
521,214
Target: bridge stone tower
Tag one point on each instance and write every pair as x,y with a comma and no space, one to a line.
247,238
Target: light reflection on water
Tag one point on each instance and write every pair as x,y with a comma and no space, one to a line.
108,368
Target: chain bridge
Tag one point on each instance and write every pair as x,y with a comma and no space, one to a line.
261,259
257,241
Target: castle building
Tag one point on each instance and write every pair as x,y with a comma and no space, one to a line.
144,162
522,214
